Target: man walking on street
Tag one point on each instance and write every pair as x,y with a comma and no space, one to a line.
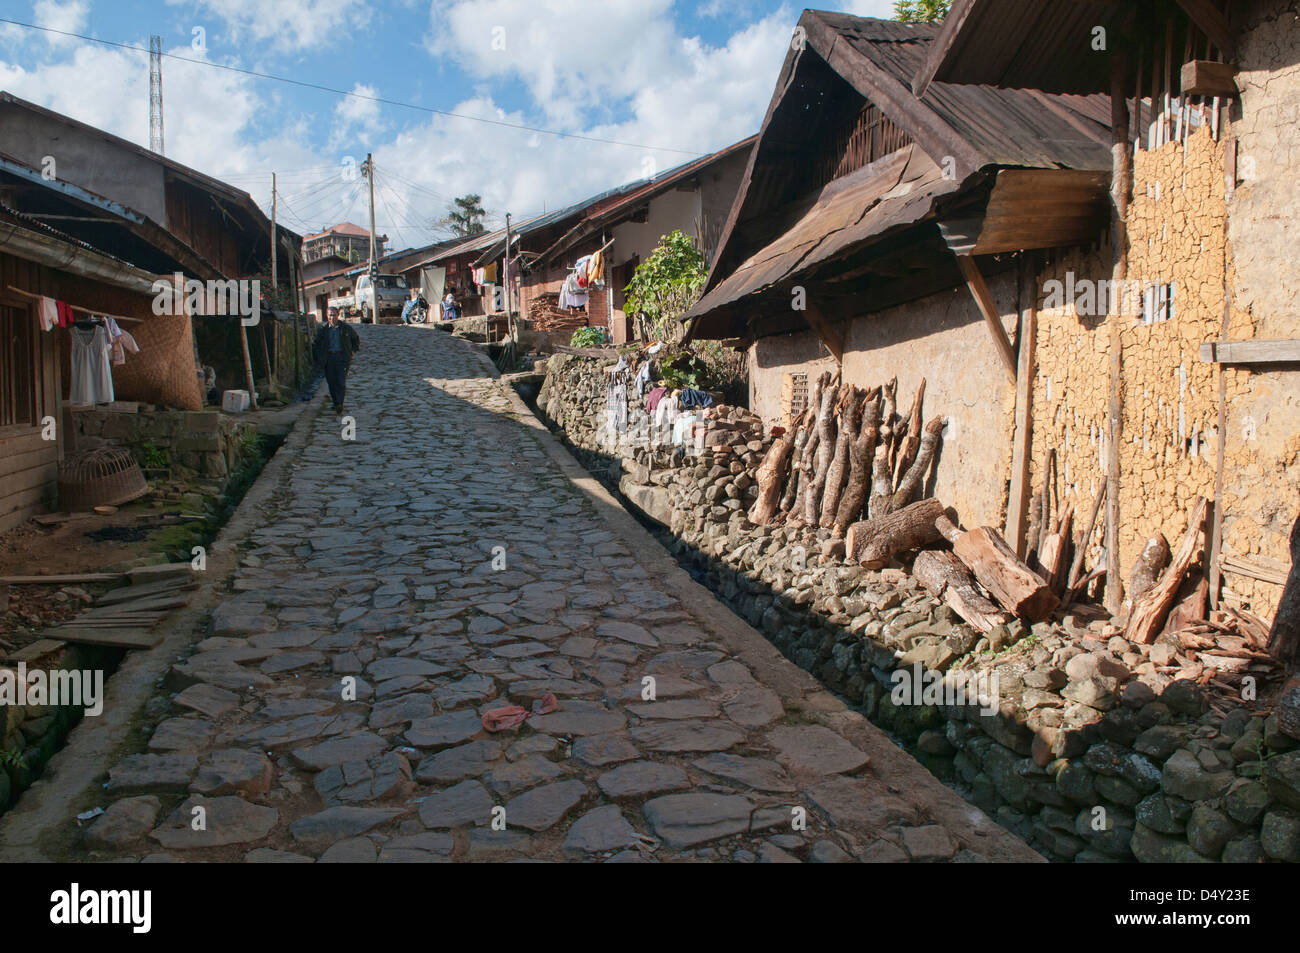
333,348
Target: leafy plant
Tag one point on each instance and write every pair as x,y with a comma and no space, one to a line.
665,285
155,457
587,337
921,11
12,759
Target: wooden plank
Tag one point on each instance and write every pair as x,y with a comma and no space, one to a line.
1281,351
1241,566
1212,22
35,650
1208,78
152,573
1022,441
832,338
127,638
984,301
145,590
63,580
146,604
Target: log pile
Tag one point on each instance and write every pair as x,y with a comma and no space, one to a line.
545,314
848,459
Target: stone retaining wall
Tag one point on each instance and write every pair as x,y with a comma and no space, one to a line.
1092,754
204,443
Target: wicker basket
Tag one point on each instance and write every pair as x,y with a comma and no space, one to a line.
107,476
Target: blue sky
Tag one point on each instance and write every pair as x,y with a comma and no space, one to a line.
668,79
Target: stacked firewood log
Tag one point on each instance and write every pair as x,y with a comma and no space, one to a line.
849,456
545,314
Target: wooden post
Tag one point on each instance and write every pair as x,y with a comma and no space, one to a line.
1121,185
1022,442
984,300
830,337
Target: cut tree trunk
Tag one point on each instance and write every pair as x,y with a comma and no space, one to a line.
876,541
860,456
1149,612
1150,564
1055,552
912,442
1015,586
850,428
1190,605
915,475
945,576
882,480
1081,549
808,459
825,452
771,478
1284,637
792,485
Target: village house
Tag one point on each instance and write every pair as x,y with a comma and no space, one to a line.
96,223
885,236
337,247
1202,393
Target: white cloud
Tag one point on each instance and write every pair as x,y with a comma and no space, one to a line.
286,25
68,17
361,116
881,9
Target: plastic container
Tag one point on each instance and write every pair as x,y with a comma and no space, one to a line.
234,401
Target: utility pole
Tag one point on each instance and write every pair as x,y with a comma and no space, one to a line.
275,287
374,267
275,256
505,280
155,95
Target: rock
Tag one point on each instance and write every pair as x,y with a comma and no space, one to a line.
1282,776
1280,834
929,843
545,806
1155,813
1184,698
814,749
602,829
353,850
1246,801
595,721
769,853
125,822
600,750
883,852
684,820
1208,831
1243,850
358,747
828,852
362,782
527,772
441,731
234,770
335,823
1185,777
1160,741
757,773
688,736
753,706
455,764
207,700
1152,848
460,805
224,820
639,778
152,774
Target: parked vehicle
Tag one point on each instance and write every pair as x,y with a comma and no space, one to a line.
346,303
386,296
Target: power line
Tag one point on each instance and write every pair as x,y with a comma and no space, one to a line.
343,92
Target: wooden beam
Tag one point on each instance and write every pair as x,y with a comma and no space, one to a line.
1121,184
984,300
1211,22
833,339
1208,78
1018,500
1252,352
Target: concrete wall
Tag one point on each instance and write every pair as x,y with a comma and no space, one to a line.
943,339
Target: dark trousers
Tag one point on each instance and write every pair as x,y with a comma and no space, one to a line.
336,376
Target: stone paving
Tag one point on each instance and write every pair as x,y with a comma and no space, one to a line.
442,564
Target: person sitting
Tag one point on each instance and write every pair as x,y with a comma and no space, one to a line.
411,304
450,309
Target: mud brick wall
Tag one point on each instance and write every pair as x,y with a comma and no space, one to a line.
1263,434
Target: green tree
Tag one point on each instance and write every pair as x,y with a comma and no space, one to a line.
665,285
921,11
465,215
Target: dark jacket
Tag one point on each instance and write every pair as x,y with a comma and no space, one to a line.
320,347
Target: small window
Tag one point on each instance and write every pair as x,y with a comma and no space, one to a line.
1158,303
794,397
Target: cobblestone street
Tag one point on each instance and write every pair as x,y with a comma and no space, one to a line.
445,563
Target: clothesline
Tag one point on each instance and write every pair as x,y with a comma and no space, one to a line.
115,317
